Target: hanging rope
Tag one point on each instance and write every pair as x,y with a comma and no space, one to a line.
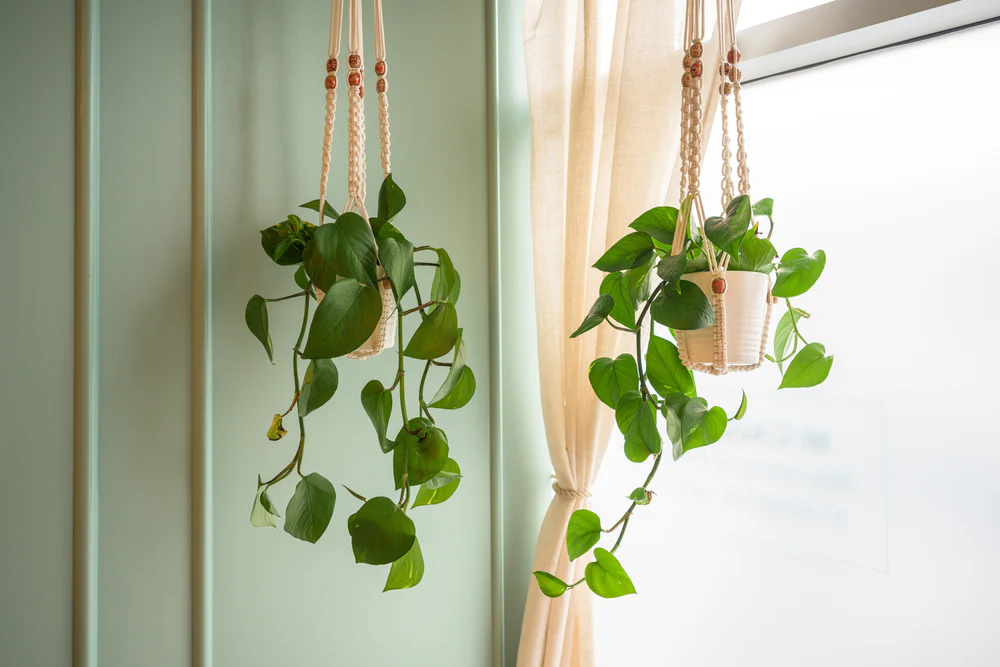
692,209
382,88
333,51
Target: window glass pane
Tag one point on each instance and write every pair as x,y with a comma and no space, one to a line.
856,523
755,12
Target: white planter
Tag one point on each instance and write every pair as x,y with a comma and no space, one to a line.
746,308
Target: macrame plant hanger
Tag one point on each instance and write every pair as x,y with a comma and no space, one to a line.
692,134
384,335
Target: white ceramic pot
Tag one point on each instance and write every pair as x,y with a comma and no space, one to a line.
746,306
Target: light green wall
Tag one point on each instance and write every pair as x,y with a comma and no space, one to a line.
311,602
526,466
36,331
274,600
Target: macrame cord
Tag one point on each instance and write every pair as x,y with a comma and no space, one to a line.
384,335
690,154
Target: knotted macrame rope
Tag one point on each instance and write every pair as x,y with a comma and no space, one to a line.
690,154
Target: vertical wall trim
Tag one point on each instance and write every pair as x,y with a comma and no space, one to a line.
201,334
86,208
496,374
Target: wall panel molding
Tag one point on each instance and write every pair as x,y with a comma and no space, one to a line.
86,294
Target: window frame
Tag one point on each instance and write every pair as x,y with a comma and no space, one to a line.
845,28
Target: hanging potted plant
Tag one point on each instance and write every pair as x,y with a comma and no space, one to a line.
710,284
359,271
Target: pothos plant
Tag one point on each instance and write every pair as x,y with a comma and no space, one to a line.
644,279
347,259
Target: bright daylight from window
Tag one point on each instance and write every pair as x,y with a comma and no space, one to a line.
871,511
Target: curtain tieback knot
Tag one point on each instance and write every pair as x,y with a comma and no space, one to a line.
569,493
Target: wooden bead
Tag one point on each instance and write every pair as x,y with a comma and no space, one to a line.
331,82
381,85
734,56
696,50
331,65
354,60
727,88
380,68
735,74
354,79
361,92
687,61
724,69
719,286
696,69
686,80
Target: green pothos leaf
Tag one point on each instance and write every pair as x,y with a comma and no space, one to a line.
406,572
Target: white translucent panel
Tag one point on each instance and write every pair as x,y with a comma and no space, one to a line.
755,12
857,523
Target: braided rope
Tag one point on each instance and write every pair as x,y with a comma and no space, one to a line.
569,493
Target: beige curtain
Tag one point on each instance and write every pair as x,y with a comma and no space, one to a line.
604,146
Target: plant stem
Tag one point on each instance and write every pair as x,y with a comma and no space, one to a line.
404,492
426,264
615,326
638,340
298,388
628,515
795,327
420,299
297,459
440,363
420,392
285,298
420,307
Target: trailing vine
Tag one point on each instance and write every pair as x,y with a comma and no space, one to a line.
347,260
641,393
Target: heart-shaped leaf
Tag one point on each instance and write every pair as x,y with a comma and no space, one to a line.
606,576
809,367
436,335
391,199
346,248
658,222
344,320
784,336
406,572
460,384
642,438
685,310
301,278
319,386
629,252
797,272
256,318
729,231
285,241
640,496
397,261
377,402
423,449
610,379
742,410
263,511
309,511
600,310
582,533
381,533
329,211
447,284
671,267
628,405
700,426
440,492
756,254
616,285
664,368
550,585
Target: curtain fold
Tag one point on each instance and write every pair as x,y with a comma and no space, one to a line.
605,137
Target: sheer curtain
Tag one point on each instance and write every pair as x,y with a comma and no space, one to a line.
604,144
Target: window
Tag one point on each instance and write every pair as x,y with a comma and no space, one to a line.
855,523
